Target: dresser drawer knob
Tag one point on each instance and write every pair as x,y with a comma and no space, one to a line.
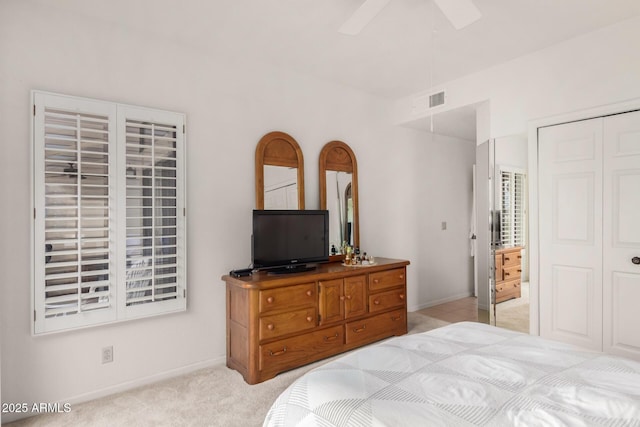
376,281
332,338
270,300
402,276
401,296
341,297
506,273
309,293
309,318
396,318
278,353
376,301
358,330
270,326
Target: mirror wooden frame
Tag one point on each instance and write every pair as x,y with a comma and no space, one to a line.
278,149
338,156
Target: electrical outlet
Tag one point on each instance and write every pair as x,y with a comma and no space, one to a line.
444,225
107,354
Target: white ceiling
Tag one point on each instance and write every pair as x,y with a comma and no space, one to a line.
391,57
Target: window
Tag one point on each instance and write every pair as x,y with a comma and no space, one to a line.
512,207
109,212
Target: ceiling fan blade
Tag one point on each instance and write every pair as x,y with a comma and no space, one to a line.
459,12
361,17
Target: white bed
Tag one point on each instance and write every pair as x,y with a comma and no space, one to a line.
465,374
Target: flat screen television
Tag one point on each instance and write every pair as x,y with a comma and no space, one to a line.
287,240
496,229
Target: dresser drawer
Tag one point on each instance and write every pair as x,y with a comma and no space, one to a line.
507,290
375,328
296,351
280,324
387,279
386,300
290,296
511,273
511,258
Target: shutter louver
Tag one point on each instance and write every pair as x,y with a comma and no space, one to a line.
77,209
151,213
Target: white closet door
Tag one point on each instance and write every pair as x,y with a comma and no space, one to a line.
622,234
570,210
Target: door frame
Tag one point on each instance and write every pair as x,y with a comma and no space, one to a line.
533,174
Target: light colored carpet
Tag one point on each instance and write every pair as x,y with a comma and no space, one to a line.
514,318
514,314
215,396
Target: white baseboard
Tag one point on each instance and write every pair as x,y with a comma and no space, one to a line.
127,385
439,301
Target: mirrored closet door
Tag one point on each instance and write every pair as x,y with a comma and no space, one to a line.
510,233
502,233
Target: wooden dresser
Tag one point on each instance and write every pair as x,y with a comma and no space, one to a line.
508,270
280,322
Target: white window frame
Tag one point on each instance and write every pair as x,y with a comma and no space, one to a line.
117,309
521,237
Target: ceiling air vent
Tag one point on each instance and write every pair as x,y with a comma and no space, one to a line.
436,99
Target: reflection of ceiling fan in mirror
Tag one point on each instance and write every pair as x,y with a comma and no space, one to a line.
459,12
72,171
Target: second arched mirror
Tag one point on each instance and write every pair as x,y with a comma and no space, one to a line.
339,194
279,172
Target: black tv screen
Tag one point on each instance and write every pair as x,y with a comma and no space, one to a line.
289,237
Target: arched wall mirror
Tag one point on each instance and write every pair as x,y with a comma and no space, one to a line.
339,194
279,172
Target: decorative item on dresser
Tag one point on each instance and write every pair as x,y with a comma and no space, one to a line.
508,270
276,323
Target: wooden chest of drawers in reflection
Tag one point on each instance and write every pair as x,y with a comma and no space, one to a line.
508,273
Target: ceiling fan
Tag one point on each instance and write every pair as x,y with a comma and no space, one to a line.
459,12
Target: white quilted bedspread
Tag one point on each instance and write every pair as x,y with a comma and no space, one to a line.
465,374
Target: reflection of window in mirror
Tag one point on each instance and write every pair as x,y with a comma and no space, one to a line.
280,187
513,210
348,230
340,206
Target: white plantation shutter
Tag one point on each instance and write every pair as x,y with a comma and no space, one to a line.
512,212
154,252
107,230
73,198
